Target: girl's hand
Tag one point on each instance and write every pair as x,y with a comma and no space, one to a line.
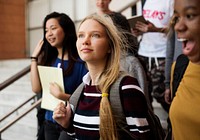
55,90
37,49
136,32
147,27
62,114
167,96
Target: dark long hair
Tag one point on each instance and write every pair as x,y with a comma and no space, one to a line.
49,53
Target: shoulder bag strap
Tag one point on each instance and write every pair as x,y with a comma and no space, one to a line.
75,96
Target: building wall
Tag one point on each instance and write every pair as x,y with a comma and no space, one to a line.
36,12
12,29
21,21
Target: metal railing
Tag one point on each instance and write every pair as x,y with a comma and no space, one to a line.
20,116
7,83
15,109
15,77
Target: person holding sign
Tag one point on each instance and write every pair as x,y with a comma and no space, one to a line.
57,49
152,48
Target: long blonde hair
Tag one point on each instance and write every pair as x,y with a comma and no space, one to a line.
108,130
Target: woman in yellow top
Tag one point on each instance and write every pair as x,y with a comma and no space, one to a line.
185,108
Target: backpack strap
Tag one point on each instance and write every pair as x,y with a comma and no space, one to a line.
76,96
117,109
179,70
115,102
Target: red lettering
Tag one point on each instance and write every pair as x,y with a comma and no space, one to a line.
153,14
146,13
162,14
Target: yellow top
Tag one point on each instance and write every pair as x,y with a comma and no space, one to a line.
185,108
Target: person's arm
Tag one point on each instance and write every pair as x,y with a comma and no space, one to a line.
169,57
135,108
168,63
35,80
149,27
141,28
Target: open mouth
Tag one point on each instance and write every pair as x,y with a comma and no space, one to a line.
187,45
51,40
184,42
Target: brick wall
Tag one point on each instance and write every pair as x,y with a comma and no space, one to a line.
12,29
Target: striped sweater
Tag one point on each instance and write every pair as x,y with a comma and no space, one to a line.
86,118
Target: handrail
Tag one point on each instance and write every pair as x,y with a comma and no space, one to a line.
15,109
20,116
8,82
15,77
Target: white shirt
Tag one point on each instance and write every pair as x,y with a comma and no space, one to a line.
159,13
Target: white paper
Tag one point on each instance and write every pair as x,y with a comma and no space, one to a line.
48,75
